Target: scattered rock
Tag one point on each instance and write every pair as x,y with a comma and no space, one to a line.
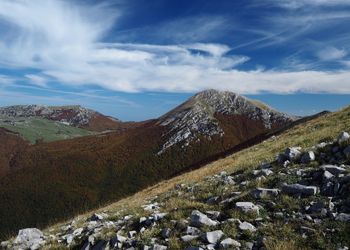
229,244
335,170
194,248
31,238
327,175
199,219
346,152
159,216
264,192
308,157
248,245
246,226
213,200
343,217
132,234
181,225
298,189
247,207
192,231
292,153
117,241
96,217
343,137
188,238
214,236
165,233
316,207
159,247
214,215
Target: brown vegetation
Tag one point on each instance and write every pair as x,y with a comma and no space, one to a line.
11,145
63,178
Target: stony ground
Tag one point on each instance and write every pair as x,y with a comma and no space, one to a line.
300,200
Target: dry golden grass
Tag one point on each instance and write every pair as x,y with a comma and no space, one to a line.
304,135
280,245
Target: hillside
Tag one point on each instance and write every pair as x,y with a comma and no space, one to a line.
34,129
10,146
56,180
204,208
74,116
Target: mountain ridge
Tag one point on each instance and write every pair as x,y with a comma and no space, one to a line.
236,202
85,172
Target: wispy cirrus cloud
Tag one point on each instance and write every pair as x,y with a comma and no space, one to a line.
296,4
331,54
65,42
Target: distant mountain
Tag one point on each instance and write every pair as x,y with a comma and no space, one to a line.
52,181
76,116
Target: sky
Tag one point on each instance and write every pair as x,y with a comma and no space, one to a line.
137,59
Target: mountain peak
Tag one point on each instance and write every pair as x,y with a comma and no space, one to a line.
214,92
197,116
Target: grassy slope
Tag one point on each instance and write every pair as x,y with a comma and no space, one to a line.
304,135
32,129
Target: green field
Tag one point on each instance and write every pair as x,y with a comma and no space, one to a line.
35,129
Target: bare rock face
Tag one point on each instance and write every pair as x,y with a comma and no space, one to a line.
197,116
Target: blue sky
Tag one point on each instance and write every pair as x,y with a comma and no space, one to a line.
136,59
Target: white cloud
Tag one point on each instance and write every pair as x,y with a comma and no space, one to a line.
331,54
64,42
296,4
6,80
37,79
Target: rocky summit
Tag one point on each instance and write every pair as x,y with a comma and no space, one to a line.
198,116
310,198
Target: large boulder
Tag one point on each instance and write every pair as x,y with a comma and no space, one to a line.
199,219
298,189
213,237
247,207
29,238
